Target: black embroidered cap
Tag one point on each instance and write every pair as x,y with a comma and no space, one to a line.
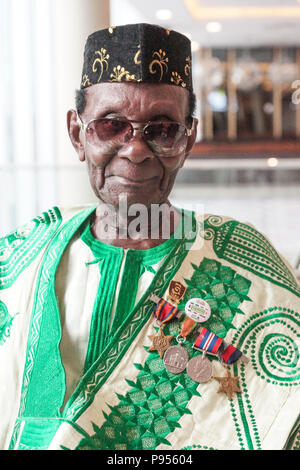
137,53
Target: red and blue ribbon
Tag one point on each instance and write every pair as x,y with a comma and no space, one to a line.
165,312
230,354
213,344
208,341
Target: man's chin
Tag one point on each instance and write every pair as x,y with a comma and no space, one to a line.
130,198
145,194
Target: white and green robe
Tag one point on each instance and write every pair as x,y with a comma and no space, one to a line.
75,319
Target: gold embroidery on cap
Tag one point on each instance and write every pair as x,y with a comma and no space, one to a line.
102,59
137,55
187,67
161,62
120,72
85,81
168,31
176,78
111,29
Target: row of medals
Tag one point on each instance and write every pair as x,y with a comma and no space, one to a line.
176,358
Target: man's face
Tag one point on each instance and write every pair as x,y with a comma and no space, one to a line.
133,170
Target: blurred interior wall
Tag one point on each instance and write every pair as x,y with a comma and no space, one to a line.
74,20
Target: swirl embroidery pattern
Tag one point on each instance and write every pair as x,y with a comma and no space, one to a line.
5,323
270,338
159,64
101,61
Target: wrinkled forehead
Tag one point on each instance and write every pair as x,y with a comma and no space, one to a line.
137,100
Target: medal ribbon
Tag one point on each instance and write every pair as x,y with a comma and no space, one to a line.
211,343
165,312
208,341
187,327
231,354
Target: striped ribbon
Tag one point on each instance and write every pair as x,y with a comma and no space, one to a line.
211,343
208,341
165,312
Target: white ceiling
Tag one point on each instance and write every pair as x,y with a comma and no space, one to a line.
245,23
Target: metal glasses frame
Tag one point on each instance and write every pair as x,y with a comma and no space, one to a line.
84,125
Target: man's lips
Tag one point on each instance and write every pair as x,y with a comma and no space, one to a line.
132,181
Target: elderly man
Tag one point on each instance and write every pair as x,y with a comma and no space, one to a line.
176,332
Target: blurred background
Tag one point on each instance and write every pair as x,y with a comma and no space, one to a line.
246,72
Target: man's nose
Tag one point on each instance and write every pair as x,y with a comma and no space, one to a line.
136,150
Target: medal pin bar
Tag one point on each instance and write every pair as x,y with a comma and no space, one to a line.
163,312
216,346
176,358
212,344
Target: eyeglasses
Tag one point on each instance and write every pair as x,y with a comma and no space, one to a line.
165,138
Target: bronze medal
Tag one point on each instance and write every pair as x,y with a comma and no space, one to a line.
199,369
176,291
176,359
160,342
228,385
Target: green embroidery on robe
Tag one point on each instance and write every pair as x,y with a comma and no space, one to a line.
43,361
198,446
244,246
132,325
293,442
222,288
5,323
20,248
148,412
109,259
274,356
152,408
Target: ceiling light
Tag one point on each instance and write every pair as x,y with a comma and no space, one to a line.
272,161
164,14
213,27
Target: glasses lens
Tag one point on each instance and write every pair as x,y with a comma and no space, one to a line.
110,130
166,138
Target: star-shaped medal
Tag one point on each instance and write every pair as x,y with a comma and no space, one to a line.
228,384
160,343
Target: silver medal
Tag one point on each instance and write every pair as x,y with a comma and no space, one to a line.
176,359
199,369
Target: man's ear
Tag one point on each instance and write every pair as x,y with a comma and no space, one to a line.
191,140
75,134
